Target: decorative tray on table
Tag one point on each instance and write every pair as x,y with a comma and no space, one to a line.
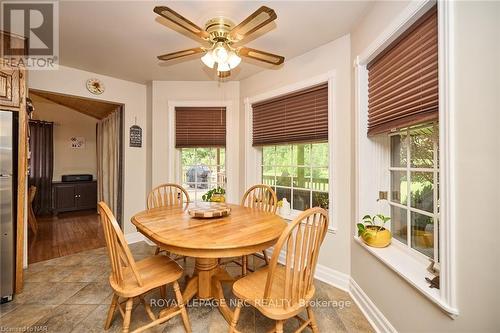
207,210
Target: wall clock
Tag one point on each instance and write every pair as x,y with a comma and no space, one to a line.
95,86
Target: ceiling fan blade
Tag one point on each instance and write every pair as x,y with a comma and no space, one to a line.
181,21
180,54
261,17
270,58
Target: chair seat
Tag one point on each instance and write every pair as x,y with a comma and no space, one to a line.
251,289
155,271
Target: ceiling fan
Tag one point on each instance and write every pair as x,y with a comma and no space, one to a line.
222,37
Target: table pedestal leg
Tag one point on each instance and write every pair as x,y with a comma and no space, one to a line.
206,283
205,269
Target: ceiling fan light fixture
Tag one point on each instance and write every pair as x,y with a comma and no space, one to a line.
233,60
223,67
220,52
208,59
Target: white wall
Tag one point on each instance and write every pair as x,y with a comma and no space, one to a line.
71,81
169,93
475,106
332,57
69,123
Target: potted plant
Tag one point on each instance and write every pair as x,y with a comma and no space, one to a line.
373,232
215,195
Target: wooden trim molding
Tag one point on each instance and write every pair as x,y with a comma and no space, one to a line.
21,181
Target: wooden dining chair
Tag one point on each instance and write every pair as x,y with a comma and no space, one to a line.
281,292
166,195
32,222
130,279
261,197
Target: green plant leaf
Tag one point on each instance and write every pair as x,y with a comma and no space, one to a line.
361,229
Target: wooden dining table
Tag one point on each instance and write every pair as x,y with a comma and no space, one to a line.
244,231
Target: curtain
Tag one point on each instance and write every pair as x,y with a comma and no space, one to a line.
109,162
41,163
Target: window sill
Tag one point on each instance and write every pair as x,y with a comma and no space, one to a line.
410,269
295,213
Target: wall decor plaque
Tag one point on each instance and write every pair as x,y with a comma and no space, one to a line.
135,136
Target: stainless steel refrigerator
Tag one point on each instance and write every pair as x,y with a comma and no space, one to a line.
8,202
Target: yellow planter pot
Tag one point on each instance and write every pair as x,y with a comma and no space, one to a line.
218,198
376,238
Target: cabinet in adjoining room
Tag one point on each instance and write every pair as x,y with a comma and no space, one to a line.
72,196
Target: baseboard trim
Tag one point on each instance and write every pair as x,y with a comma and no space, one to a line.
333,277
378,321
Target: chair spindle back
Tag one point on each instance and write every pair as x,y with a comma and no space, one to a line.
167,195
261,197
118,250
301,241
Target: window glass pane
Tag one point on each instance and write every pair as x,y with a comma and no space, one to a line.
301,154
268,175
399,189
320,199
422,147
284,193
398,150
422,191
301,177
188,156
399,226
319,154
422,234
320,179
301,199
268,155
205,156
283,177
283,155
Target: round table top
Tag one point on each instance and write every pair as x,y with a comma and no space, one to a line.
244,231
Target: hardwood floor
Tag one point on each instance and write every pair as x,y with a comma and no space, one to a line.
65,234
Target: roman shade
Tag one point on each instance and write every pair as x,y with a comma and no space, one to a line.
301,116
200,127
403,80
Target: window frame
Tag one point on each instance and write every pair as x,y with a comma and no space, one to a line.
295,212
392,257
408,169
253,155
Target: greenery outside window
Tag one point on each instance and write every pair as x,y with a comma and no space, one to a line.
203,169
297,172
414,195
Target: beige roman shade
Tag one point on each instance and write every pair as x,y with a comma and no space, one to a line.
403,80
301,116
200,127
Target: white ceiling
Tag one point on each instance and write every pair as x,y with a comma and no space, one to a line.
123,38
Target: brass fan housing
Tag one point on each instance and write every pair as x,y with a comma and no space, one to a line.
219,28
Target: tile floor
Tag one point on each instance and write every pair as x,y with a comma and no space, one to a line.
72,294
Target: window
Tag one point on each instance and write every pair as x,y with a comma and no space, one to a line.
203,169
297,172
414,197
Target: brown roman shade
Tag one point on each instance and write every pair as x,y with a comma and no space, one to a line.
200,127
403,80
301,116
